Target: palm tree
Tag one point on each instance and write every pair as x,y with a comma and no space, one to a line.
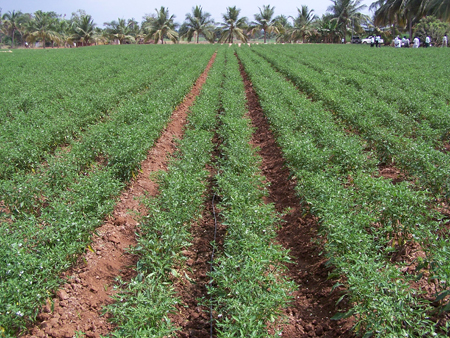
11,23
303,23
161,26
387,12
64,29
370,26
198,23
84,29
329,29
346,13
100,36
398,12
122,30
43,28
413,11
439,8
233,26
284,28
263,21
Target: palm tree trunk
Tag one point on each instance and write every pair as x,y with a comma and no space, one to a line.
264,36
44,43
198,35
410,26
12,38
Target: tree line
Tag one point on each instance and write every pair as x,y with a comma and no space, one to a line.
343,19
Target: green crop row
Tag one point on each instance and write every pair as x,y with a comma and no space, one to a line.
418,95
372,120
366,220
248,289
53,102
54,210
120,143
141,308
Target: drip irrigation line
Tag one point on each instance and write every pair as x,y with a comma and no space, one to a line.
212,259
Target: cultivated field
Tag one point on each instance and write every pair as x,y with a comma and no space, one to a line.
305,192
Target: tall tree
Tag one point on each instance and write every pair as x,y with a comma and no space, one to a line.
198,23
329,29
233,26
43,27
399,12
303,23
439,8
264,21
122,30
413,11
11,22
84,29
160,26
347,13
64,29
284,28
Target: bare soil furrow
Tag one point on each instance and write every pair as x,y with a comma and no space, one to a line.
193,317
314,303
78,303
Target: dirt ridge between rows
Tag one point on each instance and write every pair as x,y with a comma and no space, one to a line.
77,305
314,303
193,317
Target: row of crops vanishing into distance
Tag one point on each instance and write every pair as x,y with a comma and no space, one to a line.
76,124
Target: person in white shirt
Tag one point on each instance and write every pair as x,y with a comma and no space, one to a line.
444,41
397,42
405,42
372,41
416,42
427,42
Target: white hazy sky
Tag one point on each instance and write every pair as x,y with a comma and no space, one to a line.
108,10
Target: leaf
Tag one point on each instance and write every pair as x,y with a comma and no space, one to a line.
342,315
442,295
187,277
90,248
446,308
336,286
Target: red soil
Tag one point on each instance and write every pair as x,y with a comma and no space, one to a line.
78,303
314,302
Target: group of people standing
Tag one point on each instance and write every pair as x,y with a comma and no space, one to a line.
375,41
404,42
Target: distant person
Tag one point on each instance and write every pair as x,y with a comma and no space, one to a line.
416,42
427,42
405,42
372,41
377,41
397,42
343,40
444,41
